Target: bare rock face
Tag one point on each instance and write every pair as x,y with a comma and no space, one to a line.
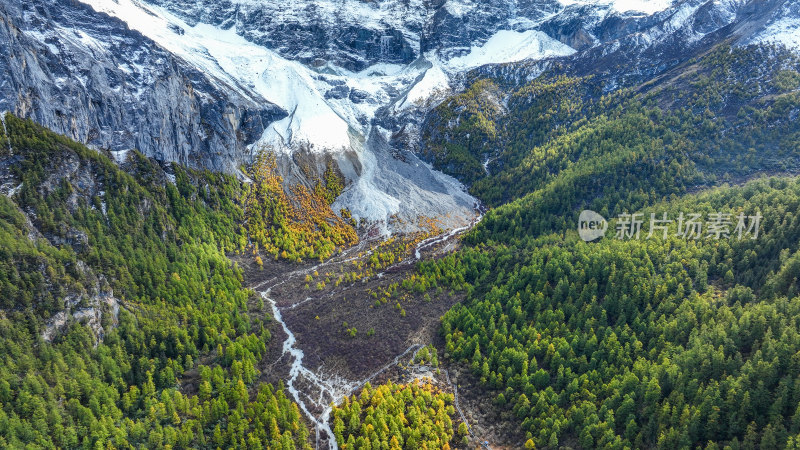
89,77
97,312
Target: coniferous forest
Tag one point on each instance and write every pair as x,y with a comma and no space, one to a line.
667,341
160,247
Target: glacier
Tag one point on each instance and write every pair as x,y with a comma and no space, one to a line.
330,109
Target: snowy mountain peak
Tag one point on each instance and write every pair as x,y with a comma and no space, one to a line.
342,79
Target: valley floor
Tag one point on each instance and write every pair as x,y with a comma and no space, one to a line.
350,333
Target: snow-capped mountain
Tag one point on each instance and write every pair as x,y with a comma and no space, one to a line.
208,82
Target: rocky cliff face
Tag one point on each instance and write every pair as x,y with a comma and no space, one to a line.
98,82
206,82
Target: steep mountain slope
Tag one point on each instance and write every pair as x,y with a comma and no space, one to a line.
123,323
206,83
97,81
507,141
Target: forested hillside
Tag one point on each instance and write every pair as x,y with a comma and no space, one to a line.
718,118
114,288
643,342
676,342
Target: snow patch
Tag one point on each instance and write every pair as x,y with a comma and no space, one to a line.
625,6
13,191
680,17
120,156
785,31
643,6
458,8
507,46
377,15
433,84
